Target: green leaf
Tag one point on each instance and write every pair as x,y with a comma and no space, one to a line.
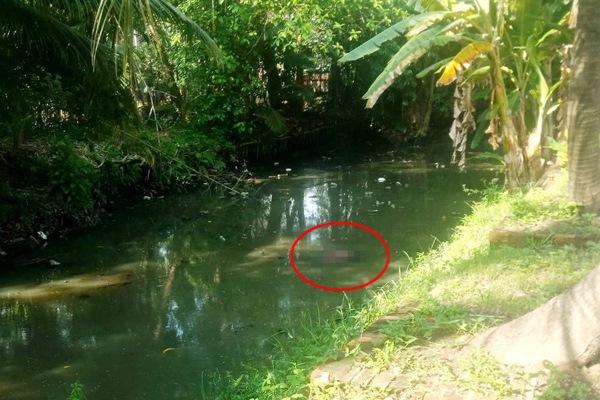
478,74
548,34
273,119
374,44
412,50
433,67
528,18
482,123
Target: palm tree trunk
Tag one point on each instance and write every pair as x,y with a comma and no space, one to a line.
566,330
583,108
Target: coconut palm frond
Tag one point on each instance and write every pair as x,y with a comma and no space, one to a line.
130,16
58,28
26,29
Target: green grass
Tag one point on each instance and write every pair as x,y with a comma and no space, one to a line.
459,289
77,392
566,386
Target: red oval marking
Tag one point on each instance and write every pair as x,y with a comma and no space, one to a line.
365,228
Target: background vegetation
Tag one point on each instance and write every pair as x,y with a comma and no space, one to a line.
102,100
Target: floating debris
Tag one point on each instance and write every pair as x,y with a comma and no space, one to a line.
276,163
147,198
42,235
221,238
75,285
255,181
380,180
53,263
288,170
398,183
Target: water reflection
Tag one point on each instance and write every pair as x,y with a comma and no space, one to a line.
143,305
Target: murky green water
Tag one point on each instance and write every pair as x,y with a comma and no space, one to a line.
202,282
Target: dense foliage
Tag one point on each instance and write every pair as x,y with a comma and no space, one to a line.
513,50
109,97
101,98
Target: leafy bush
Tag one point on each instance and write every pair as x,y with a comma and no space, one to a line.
72,179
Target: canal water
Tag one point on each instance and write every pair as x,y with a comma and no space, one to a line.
170,290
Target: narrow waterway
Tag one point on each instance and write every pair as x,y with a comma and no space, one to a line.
167,291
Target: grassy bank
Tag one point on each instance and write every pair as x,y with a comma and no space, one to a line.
455,291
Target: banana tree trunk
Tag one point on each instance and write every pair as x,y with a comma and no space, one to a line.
515,155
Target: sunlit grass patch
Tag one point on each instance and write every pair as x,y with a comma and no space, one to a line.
337,391
512,281
434,321
482,374
539,204
563,385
